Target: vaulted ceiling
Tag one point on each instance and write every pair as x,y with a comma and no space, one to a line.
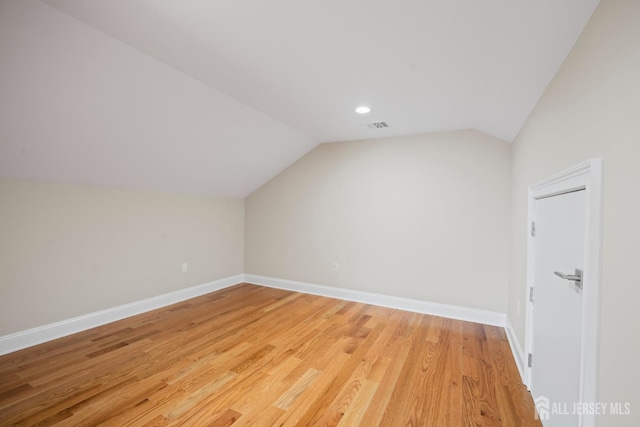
288,74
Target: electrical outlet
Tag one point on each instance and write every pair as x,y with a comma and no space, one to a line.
336,267
184,267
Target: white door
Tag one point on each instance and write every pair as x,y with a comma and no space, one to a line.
559,250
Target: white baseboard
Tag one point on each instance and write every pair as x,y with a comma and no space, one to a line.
41,334
454,312
31,337
516,349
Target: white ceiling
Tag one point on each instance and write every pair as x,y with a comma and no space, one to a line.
422,65
216,97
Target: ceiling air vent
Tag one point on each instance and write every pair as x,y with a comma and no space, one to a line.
378,125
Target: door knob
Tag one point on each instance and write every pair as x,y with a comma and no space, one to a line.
576,277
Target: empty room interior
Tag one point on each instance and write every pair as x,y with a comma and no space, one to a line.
350,213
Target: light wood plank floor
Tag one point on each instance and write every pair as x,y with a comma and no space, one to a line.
250,355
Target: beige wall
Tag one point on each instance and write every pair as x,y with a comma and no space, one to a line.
422,217
592,110
69,250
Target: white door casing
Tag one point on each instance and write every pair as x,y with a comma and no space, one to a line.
588,177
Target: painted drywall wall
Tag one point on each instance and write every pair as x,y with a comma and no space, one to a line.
422,217
68,250
592,110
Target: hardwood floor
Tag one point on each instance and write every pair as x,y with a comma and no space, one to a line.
250,355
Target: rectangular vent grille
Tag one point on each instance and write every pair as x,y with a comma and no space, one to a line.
378,125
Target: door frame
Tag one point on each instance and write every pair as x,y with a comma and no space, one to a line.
587,176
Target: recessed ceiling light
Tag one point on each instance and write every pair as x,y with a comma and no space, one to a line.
363,109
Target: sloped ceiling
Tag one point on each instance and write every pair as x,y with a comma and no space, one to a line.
261,83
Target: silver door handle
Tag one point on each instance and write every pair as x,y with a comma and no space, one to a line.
576,278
